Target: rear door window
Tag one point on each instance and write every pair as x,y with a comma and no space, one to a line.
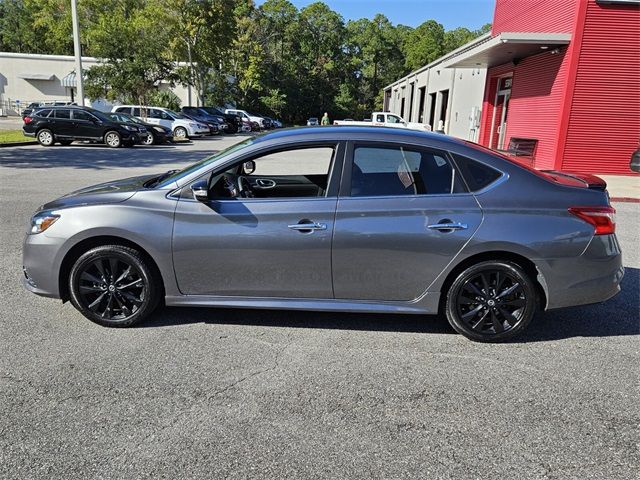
42,113
82,115
398,170
63,113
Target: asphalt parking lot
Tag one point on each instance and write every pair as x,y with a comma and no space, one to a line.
210,393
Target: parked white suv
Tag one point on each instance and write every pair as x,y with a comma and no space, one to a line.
182,127
244,114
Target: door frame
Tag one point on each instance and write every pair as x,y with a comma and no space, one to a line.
506,92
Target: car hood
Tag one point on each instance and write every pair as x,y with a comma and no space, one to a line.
109,192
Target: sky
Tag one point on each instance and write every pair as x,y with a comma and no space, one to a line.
450,13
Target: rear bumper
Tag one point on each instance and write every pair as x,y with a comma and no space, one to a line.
593,277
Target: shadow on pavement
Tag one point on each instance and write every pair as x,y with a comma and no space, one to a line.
96,157
618,316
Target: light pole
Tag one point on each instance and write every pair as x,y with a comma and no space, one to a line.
77,52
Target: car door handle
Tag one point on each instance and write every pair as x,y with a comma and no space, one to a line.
448,226
308,226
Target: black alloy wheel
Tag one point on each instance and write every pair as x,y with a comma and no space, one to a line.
114,286
491,301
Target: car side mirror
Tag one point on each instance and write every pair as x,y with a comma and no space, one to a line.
249,167
200,191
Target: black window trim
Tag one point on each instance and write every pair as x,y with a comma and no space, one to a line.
345,185
92,116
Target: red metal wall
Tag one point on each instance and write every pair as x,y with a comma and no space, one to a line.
539,85
604,117
555,16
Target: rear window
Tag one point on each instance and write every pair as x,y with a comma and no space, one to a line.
43,113
63,113
477,175
123,109
393,171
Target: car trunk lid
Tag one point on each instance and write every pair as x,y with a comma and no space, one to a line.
572,179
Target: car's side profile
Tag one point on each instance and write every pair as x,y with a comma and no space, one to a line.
182,127
361,219
67,124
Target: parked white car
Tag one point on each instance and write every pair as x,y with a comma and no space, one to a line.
385,119
182,126
244,114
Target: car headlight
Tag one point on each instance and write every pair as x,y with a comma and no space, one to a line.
130,128
159,129
41,221
193,125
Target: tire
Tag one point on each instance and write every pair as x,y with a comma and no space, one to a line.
180,133
150,140
119,300
45,137
65,143
112,139
491,301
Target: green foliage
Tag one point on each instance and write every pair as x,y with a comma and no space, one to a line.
276,59
164,98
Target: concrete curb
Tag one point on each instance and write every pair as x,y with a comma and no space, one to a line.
624,199
18,144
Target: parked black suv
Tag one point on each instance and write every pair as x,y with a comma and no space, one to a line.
155,133
233,121
66,124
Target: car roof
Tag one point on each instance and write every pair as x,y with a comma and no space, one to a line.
347,132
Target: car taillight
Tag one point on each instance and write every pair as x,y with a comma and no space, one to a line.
27,120
602,218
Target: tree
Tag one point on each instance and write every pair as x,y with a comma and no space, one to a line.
202,33
424,44
130,37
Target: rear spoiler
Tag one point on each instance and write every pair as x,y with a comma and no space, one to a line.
590,181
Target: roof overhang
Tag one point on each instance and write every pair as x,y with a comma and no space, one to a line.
36,76
507,47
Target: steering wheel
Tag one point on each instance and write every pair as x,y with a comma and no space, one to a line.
244,187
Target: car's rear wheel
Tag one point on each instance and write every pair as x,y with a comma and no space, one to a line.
45,137
114,286
491,301
180,133
112,139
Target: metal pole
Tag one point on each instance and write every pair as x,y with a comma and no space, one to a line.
78,53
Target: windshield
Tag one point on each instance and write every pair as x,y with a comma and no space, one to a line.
176,114
214,158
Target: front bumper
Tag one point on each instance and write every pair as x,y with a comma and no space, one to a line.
41,259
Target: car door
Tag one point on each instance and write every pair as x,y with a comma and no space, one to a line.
85,124
403,214
266,246
63,125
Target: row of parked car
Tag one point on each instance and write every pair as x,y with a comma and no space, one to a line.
127,125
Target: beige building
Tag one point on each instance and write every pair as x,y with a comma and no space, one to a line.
448,99
26,78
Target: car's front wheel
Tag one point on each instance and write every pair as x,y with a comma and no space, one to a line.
150,139
491,301
45,137
114,286
180,133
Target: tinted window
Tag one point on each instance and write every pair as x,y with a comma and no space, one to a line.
63,113
82,115
136,111
123,109
380,118
42,113
380,171
477,175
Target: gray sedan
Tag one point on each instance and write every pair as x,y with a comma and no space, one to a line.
360,219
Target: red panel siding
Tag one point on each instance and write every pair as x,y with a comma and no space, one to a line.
536,100
604,121
555,16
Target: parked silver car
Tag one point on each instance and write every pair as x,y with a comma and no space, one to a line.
360,219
